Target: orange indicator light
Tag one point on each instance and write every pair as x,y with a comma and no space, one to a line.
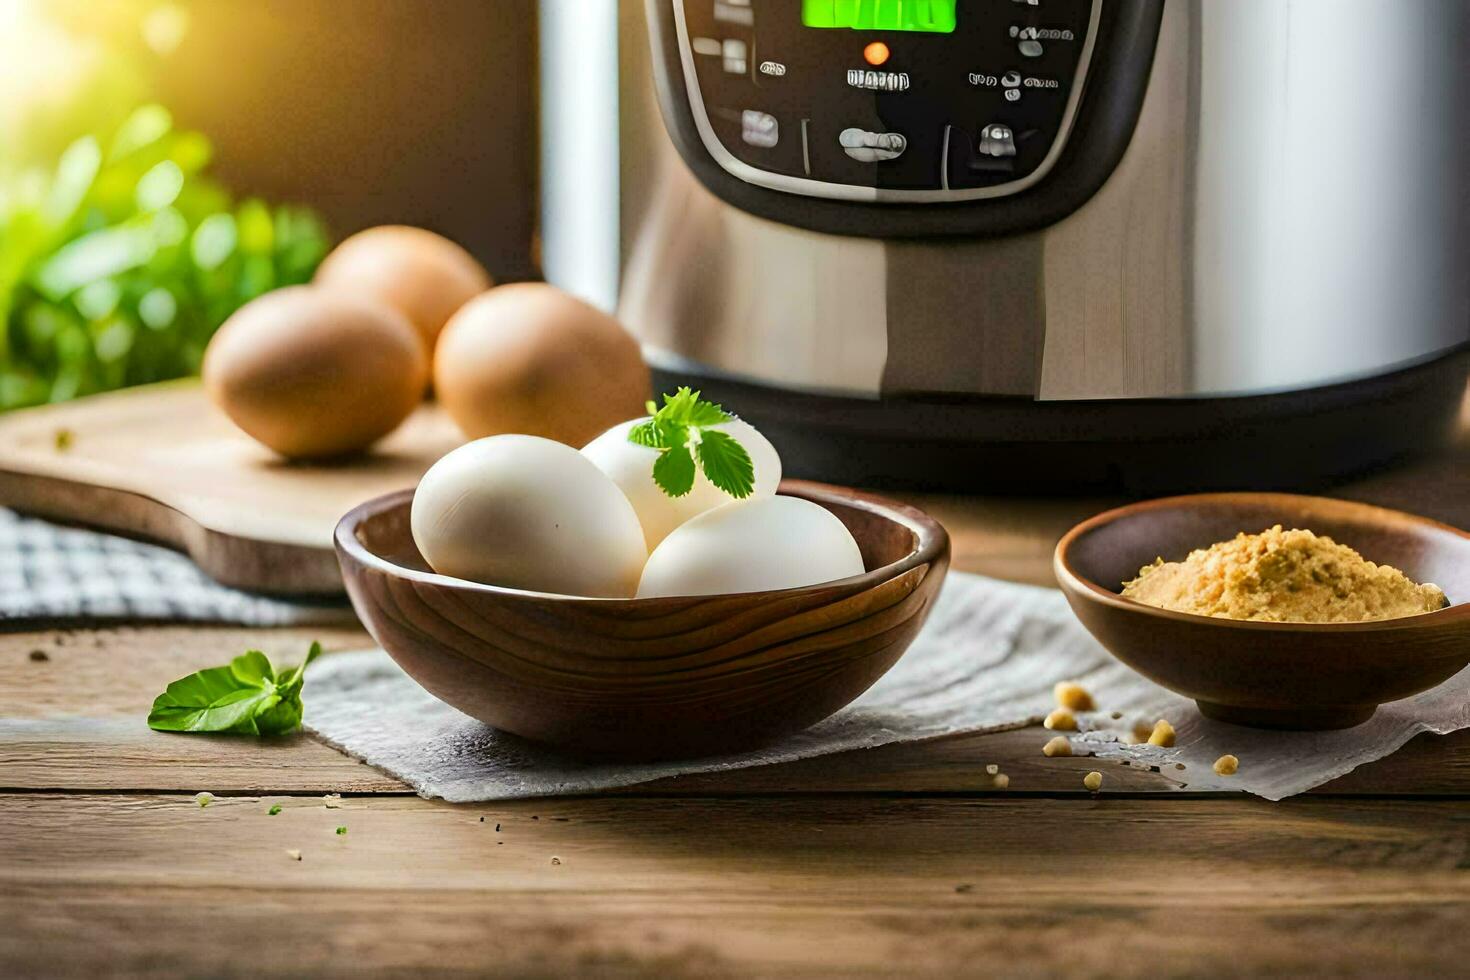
876,53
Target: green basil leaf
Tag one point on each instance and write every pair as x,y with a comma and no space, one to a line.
293,677
702,414
646,434
254,668
678,405
245,698
726,464
282,718
673,471
211,700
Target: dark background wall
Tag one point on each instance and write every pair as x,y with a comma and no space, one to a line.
372,111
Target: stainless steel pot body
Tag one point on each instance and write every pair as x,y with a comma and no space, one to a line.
1292,210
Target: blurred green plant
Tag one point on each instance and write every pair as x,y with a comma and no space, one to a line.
118,266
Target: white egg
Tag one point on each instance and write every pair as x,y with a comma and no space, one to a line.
528,513
631,467
752,546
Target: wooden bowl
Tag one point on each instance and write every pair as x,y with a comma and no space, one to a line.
1270,675
649,678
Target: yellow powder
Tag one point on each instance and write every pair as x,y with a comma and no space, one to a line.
1282,577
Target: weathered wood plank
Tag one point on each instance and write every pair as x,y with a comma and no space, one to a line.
117,672
110,754
122,754
836,886
1429,765
75,721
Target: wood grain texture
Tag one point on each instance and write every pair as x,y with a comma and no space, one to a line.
74,703
161,463
846,865
792,886
649,678
1271,675
74,722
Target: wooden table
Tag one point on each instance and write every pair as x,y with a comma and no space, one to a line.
897,861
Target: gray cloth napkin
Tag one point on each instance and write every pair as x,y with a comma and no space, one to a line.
52,572
986,660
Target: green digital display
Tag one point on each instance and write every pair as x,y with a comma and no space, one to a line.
924,16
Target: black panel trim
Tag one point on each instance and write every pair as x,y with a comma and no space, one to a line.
1293,440
1128,34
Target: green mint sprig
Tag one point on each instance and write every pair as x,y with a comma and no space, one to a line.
246,697
683,433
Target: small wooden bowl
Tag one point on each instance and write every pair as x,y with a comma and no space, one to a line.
1270,675
649,678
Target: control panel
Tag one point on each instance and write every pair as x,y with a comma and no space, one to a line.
886,100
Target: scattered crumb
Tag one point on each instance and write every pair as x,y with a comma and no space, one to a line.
1141,730
1074,696
554,858
1226,765
1002,781
274,810
1179,766
497,828
482,820
332,801
293,854
992,769
1115,715
1093,781
1061,720
341,831
203,799
39,656
963,889
1162,735
534,817
64,439
1057,746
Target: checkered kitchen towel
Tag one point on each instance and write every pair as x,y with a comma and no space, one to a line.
52,572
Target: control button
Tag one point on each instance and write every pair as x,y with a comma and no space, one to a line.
1011,82
734,12
775,69
759,128
866,147
733,51
878,81
707,46
997,140
1030,48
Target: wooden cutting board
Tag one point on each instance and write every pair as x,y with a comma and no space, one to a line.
161,463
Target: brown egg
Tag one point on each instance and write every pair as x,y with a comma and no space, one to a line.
424,276
313,373
529,358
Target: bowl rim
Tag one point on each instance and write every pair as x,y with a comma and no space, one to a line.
931,543
1075,583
